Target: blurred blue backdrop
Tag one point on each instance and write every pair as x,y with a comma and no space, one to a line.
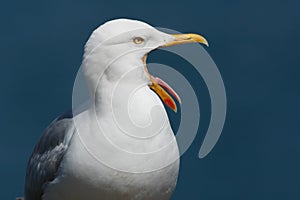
255,44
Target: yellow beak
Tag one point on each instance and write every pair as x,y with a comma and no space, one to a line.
186,38
158,85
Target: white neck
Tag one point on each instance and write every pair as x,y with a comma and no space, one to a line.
128,114
107,80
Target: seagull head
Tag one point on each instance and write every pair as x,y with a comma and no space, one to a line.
121,45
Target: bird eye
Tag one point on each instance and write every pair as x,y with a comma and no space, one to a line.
138,40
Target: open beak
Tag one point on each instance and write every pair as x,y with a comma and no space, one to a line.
162,89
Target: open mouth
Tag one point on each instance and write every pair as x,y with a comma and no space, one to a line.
162,89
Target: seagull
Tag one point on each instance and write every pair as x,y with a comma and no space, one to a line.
121,146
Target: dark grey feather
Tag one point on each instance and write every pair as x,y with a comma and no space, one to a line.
48,153
46,158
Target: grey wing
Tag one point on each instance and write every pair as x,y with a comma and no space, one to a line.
48,153
46,157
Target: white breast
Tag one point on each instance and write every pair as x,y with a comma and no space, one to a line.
106,163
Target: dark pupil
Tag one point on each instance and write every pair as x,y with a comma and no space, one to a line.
138,40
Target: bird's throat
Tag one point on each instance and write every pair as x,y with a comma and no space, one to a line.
162,89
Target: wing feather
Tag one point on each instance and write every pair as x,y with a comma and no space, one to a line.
46,157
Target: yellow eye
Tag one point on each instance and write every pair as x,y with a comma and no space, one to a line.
138,40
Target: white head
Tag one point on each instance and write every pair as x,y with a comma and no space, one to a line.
122,35
121,45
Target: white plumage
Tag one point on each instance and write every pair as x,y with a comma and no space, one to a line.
122,145
99,155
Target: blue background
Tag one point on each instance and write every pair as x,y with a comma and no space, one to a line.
254,43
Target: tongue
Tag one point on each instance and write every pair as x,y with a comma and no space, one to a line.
167,87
